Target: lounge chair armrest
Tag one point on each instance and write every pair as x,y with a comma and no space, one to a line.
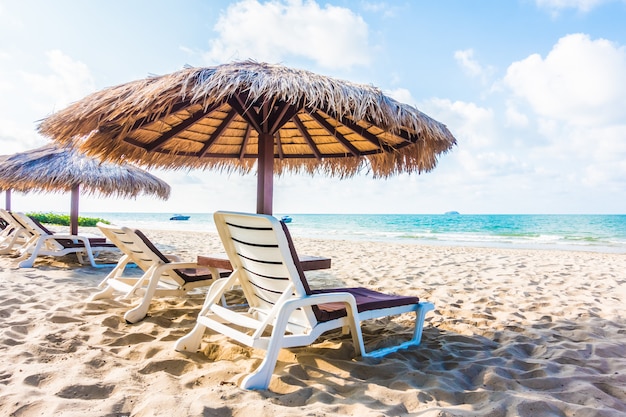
178,265
62,236
73,238
183,265
315,299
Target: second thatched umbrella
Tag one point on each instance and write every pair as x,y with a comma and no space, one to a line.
234,115
50,168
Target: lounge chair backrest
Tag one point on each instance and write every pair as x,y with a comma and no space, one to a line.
139,249
260,253
59,242
5,220
8,219
40,226
37,228
18,221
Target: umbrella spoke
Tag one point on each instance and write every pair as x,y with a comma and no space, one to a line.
186,124
286,113
361,131
333,131
279,146
244,142
218,132
247,112
307,137
151,118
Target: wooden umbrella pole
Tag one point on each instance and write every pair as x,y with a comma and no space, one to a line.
265,174
74,210
7,200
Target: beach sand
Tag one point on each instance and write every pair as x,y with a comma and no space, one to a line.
514,333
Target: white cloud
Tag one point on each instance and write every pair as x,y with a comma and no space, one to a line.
17,137
581,81
8,21
330,36
33,95
402,95
471,66
471,124
383,9
580,5
69,80
514,117
575,98
467,61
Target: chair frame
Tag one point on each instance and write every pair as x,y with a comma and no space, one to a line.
46,243
292,320
162,275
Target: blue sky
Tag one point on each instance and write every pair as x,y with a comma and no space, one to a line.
533,90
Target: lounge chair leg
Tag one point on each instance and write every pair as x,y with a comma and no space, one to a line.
105,293
79,257
28,261
191,341
261,377
139,312
420,317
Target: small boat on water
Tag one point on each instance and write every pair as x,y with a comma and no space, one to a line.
285,219
179,217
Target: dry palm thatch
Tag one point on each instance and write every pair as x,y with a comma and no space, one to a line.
213,117
50,168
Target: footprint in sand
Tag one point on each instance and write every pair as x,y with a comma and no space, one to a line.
87,392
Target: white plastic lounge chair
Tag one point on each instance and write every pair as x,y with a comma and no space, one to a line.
163,275
283,311
46,243
14,235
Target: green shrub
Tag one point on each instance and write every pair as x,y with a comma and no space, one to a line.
64,219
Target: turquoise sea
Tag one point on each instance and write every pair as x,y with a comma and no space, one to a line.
599,233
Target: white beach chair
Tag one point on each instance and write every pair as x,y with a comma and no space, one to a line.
44,242
283,310
163,275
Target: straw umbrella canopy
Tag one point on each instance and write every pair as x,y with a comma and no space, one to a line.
51,168
231,116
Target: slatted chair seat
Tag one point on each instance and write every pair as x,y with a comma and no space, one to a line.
283,311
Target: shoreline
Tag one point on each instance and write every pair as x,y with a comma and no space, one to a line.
617,250
590,233
515,332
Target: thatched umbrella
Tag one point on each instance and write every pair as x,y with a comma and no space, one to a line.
230,116
51,168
